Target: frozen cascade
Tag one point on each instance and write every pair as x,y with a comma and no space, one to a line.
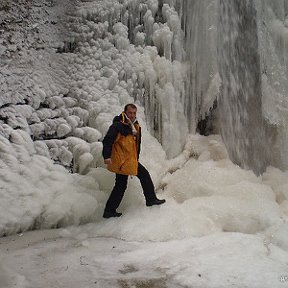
240,103
199,20
168,55
65,73
245,80
273,42
182,60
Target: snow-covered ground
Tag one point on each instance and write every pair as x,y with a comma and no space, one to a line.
77,259
65,73
221,227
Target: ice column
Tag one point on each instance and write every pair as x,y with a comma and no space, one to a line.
199,21
240,103
273,47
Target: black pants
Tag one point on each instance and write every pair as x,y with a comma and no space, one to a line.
118,191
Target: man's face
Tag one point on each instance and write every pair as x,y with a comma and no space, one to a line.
131,113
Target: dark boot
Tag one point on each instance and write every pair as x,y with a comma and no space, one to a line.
111,214
155,202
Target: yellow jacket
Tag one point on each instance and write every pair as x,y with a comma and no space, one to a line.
122,146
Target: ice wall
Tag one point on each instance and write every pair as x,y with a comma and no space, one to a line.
240,100
253,39
89,59
178,59
199,20
237,59
146,40
273,40
69,67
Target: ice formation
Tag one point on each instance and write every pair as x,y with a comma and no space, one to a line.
162,54
68,68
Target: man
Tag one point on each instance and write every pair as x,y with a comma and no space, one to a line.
121,148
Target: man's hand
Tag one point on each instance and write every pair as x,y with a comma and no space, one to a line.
108,161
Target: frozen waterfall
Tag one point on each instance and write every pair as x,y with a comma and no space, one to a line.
238,64
68,67
223,70
195,66
240,99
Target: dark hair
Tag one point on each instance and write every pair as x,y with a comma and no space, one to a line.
129,105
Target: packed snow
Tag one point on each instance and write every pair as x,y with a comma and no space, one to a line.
66,70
